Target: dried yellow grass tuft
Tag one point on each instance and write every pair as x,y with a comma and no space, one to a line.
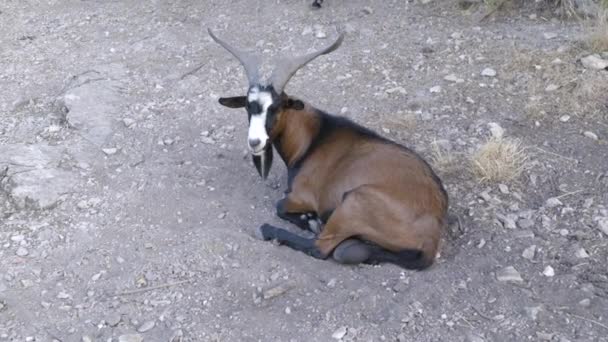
499,160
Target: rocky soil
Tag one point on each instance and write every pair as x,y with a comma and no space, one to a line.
128,201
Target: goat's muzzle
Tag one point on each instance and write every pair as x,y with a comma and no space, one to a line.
263,161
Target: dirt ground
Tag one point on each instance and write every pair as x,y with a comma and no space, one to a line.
128,201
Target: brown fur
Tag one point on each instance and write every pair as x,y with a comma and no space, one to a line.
377,191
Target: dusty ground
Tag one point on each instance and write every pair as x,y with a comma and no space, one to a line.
128,202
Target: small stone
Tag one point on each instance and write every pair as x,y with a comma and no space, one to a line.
146,326
221,216
585,303
503,188
564,232
128,122
288,310
22,251
594,62
564,118
551,87
529,252
130,338
86,338
82,205
453,78
509,274
496,130
549,271
17,238
488,72
525,223
533,311
109,151
367,10
63,295
114,319
553,202
339,333
399,90
590,135
332,283
508,221
307,30
581,253
471,337
602,224
550,35
320,32
276,291
435,89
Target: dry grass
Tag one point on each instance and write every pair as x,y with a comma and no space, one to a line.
442,159
598,39
499,160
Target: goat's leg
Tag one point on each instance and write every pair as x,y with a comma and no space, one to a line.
291,240
292,211
317,3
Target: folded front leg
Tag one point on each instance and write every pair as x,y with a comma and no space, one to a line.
291,240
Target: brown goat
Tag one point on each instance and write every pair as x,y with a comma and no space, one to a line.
377,200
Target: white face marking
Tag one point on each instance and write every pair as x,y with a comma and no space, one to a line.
257,124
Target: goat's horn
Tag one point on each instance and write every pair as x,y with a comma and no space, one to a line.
287,67
249,61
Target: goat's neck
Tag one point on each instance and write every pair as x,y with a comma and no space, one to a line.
298,129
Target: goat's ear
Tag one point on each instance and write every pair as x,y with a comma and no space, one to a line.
295,104
233,102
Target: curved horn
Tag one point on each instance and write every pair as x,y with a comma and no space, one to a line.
249,61
287,66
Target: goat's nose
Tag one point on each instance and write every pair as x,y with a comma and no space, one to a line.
254,142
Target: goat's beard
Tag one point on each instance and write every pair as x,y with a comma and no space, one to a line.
263,162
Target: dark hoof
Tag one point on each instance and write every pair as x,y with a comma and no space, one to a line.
266,232
351,251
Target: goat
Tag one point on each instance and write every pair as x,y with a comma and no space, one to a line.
378,201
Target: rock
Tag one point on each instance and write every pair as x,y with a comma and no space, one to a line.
472,337
564,118
553,202
367,10
86,338
602,224
551,87
503,188
22,251
110,151
93,103
594,62
509,274
332,283
590,135
339,333
146,326
549,271
319,32
581,253
549,35
496,130
130,338
529,252
221,216
533,311
435,89
508,221
276,291
585,303
128,122
525,223
453,78
113,319
488,72
307,30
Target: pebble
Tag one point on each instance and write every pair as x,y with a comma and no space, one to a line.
332,283
453,78
602,224
551,87
435,89
590,135
488,72
367,10
319,32
509,274
471,337
128,122
130,338
585,302
525,223
503,188
564,118
549,271
221,216
109,151
146,326
113,319
276,291
339,333
581,253
17,238
594,62
496,130
86,338
553,202
288,310
550,35
529,252
399,90
22,251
